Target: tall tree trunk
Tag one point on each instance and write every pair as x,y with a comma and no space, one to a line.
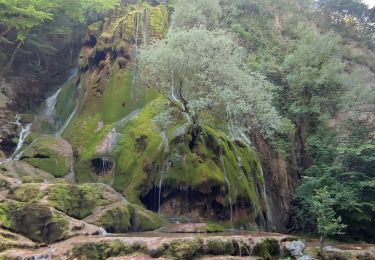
9,64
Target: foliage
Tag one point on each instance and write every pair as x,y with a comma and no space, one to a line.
327,222
343,167
201,70
194,13
352,17
314,73
25,15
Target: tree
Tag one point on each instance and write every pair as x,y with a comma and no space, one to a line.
194,13
327,223
23,16
200,70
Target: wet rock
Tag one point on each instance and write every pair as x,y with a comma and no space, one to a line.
267,248
294,248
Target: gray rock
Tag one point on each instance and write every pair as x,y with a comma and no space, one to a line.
295,248
305,257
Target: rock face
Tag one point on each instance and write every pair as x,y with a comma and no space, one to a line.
200,174
53,155
47,212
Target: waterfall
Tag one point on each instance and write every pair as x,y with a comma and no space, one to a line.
236,132
163,147
164,142
124,121
102,232
135,58
281,251
164,169
145,27
228,184
25,131
67,122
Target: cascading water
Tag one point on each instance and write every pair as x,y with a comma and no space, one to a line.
236,132
67,122
145,27
105,166
228,184
25,131
163,147
51,102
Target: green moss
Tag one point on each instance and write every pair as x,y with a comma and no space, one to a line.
267,249
115,220
159,20
132,164
182,248
144,220
105,249
7,211
73,200
66,101
219,246
49,154
121,97
28,193
36,221
214,228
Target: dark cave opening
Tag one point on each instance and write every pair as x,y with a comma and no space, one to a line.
102,166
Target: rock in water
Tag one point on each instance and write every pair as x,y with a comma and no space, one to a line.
295,248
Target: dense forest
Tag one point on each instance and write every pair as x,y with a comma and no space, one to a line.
125,116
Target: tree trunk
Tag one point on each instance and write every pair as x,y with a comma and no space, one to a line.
7,67
321,244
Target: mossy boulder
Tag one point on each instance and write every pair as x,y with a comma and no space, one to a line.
50,154
114,219
28,193
144,220
105,249
10,240
219,246
77,201
267,249
180,249
23,171
36,221
123,217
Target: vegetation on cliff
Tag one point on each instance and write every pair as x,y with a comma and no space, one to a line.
183,108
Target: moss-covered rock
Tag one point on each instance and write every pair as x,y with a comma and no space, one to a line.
219,246
36,221
77,201
10,240
53,155
24,172
28,193
181,249
114,219
144,220
105,249
267,249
